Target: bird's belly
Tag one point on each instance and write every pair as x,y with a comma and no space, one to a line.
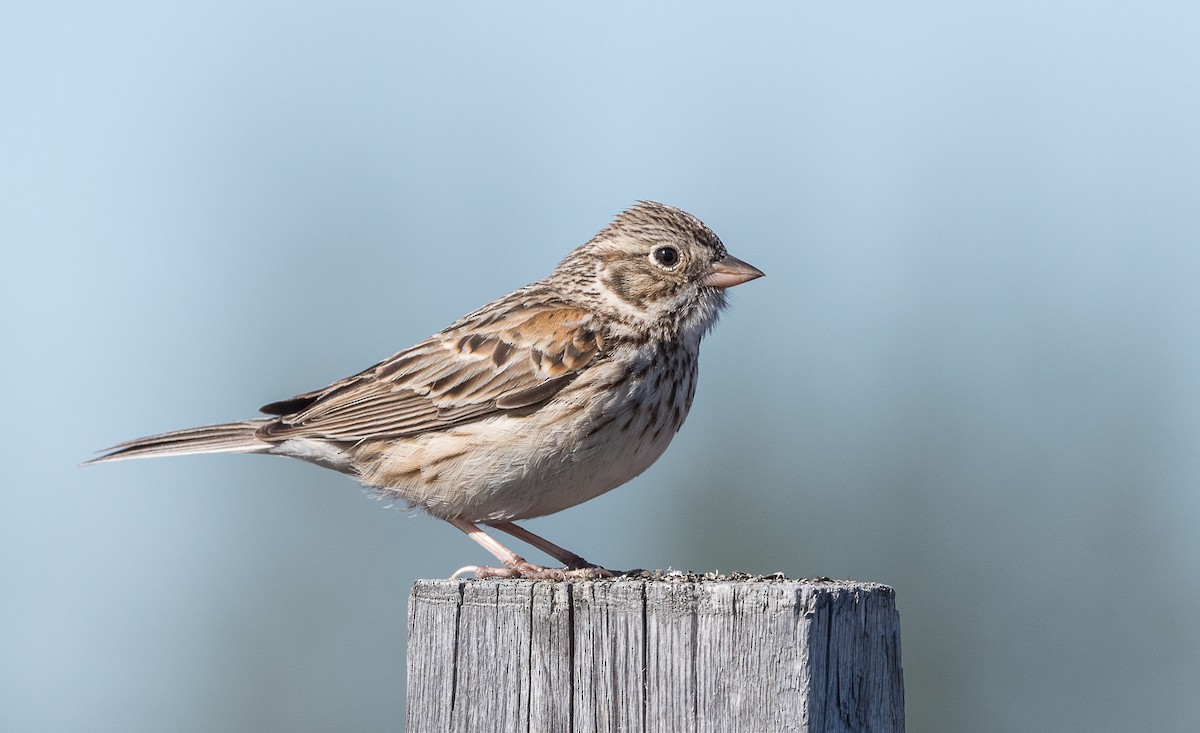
509,468
606,460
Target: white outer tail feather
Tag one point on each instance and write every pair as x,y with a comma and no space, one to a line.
237,437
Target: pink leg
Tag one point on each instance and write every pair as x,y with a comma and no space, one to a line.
563,555
516,566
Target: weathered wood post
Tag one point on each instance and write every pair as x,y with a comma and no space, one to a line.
670,654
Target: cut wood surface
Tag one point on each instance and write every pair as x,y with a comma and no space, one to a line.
672,654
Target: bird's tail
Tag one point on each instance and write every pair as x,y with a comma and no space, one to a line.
234,437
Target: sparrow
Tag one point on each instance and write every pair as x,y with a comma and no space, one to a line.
538,401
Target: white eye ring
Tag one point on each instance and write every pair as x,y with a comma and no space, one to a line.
665,256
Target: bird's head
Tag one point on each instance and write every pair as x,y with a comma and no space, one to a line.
658,267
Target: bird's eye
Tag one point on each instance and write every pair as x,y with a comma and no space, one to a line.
666,256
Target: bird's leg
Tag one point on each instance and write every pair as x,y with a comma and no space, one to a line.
563,555
516,566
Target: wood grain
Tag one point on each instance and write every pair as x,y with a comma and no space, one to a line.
677,655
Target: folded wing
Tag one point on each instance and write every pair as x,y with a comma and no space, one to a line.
518,359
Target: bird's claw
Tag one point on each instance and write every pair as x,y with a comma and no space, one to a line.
527,570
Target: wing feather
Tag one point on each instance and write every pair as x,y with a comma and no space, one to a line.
477,368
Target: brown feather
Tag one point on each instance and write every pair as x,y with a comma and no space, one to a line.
519,358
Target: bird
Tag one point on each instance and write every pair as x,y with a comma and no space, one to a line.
540,400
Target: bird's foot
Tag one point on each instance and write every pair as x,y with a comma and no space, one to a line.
522,568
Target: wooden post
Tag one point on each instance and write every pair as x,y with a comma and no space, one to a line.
670,655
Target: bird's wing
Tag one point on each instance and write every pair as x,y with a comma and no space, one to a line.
481,366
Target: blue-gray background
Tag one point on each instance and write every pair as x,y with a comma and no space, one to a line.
971,372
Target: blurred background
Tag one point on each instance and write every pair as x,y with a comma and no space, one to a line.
970,373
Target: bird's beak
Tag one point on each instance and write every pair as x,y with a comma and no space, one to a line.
729,271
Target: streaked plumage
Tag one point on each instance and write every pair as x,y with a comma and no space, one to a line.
540,400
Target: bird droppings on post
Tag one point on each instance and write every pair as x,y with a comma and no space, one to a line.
712,576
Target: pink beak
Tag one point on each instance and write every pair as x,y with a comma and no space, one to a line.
729,271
